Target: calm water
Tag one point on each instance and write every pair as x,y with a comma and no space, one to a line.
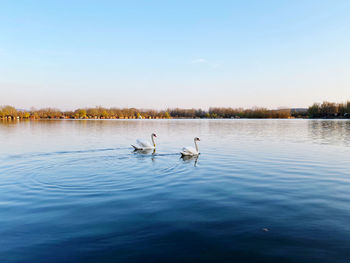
261,191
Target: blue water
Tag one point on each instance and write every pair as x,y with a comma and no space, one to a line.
261,191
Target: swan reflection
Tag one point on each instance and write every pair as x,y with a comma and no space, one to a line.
145,151
188,159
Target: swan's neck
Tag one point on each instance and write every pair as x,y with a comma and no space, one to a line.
154,144
195,143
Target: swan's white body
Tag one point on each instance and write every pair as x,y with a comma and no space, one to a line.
190,151
145,145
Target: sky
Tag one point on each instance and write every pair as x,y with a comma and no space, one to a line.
160,54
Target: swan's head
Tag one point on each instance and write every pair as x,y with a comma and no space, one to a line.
196,139
154,135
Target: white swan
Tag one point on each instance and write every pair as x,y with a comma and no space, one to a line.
145,145
190,151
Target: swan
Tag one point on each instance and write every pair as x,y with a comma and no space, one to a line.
145,145
190,151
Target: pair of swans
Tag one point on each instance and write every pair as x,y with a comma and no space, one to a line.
143,145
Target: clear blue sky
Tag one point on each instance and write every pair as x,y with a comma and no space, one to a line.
159,54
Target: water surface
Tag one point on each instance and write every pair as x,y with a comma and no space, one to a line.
261,191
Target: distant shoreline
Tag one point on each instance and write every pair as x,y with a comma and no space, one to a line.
133,119
326,110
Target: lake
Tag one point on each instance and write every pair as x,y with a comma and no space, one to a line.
260,191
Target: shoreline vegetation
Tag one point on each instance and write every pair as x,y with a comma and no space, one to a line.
329,110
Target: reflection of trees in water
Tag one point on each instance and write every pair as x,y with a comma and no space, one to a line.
257,129
8,127
329,131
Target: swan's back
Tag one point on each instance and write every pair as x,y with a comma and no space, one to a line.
144,143
189,151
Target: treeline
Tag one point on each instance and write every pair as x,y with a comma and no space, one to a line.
230,113
329,110
256,113
324,110
9,112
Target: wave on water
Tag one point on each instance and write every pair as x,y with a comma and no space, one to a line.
40,154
